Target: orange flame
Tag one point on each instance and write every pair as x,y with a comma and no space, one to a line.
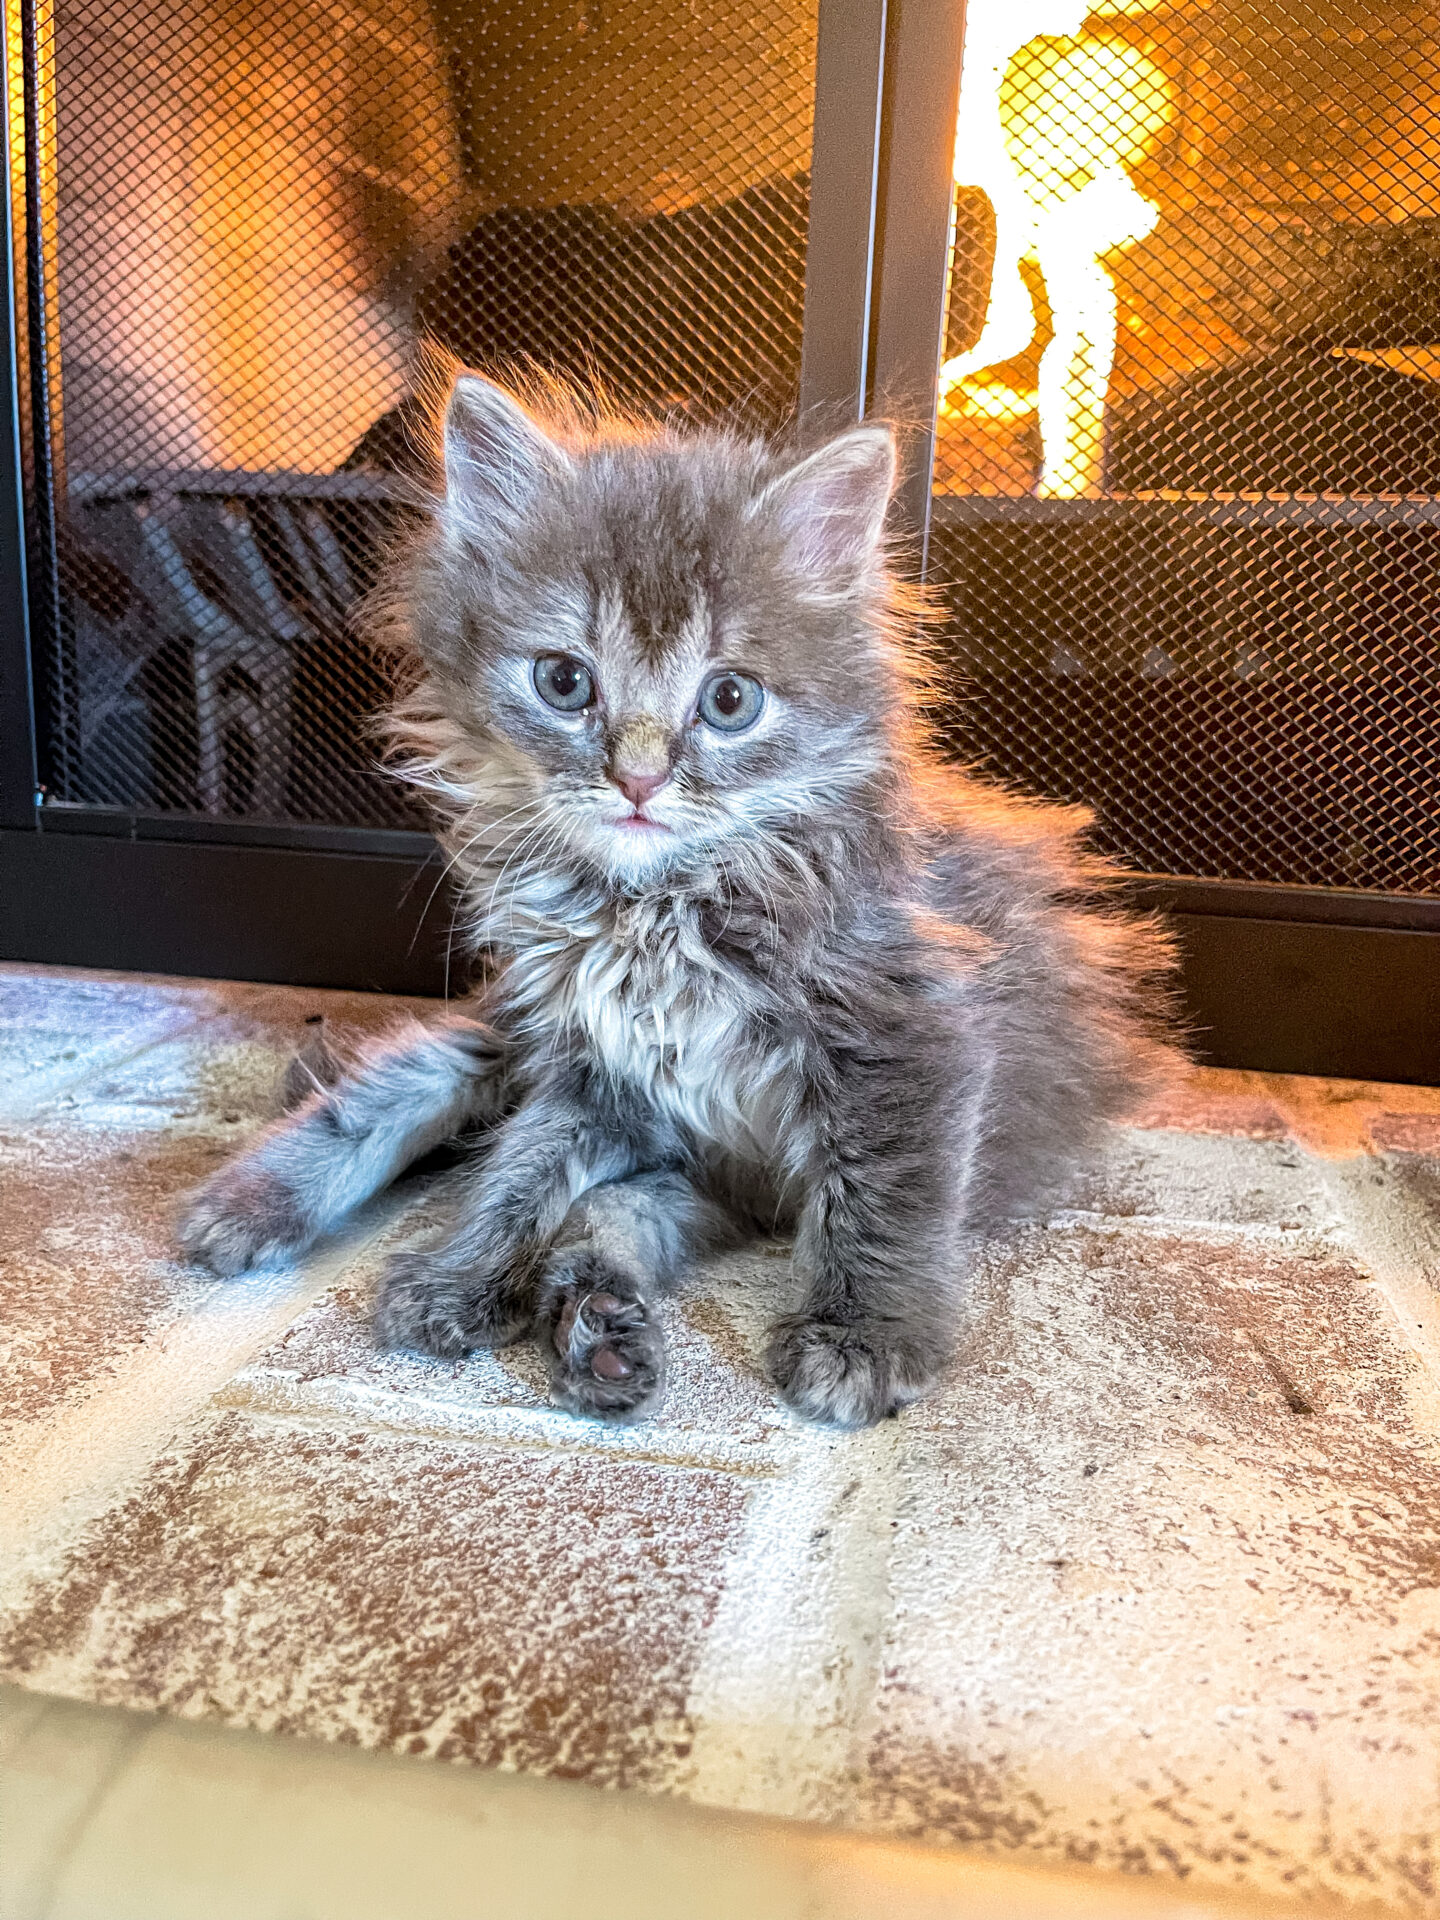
1050,119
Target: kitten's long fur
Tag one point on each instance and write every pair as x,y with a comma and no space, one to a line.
798,976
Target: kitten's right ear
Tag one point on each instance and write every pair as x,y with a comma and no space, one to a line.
496,457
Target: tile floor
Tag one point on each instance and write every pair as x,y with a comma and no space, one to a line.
1153,1583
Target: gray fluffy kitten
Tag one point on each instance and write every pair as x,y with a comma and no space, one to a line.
759,963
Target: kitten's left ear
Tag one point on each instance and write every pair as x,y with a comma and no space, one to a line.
831,508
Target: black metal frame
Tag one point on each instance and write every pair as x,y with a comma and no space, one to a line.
18,773
887,89
1285,978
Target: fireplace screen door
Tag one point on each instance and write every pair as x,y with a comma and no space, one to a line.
243,220
1187,484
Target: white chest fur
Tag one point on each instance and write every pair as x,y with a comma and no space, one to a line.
638,988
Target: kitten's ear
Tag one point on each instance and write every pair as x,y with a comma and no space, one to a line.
830,510
496,457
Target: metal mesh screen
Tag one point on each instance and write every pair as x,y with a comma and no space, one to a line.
244,218
1189,461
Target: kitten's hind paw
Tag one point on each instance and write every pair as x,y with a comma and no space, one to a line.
605,1349
426,1302
243,1217
846,1376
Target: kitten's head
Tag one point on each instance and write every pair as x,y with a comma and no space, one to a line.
650,645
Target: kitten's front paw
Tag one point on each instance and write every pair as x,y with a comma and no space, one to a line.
425,1301
242,1217
846,1376
605,1350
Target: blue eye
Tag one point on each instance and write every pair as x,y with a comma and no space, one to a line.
564,682
731,702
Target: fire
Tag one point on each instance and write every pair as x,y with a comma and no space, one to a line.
1050,119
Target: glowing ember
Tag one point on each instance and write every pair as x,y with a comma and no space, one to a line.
1050,118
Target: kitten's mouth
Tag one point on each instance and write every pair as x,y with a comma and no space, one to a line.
637,819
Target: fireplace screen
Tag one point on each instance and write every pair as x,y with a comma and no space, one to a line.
1188,460
1187,483
242,220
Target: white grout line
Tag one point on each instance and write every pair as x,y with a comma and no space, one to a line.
356,1405
781,1696
67,1468
1159,1225
1398,1242
24,1099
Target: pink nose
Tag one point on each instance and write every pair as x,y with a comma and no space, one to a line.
638,787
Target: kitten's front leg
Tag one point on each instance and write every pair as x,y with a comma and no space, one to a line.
619,1246
343,1144
875,1246
478,1286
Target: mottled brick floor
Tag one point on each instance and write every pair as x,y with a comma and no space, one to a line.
1154,1582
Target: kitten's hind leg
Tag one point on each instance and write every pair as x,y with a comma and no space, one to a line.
621,1244
343,1144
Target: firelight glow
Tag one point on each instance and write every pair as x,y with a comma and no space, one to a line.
1048,138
